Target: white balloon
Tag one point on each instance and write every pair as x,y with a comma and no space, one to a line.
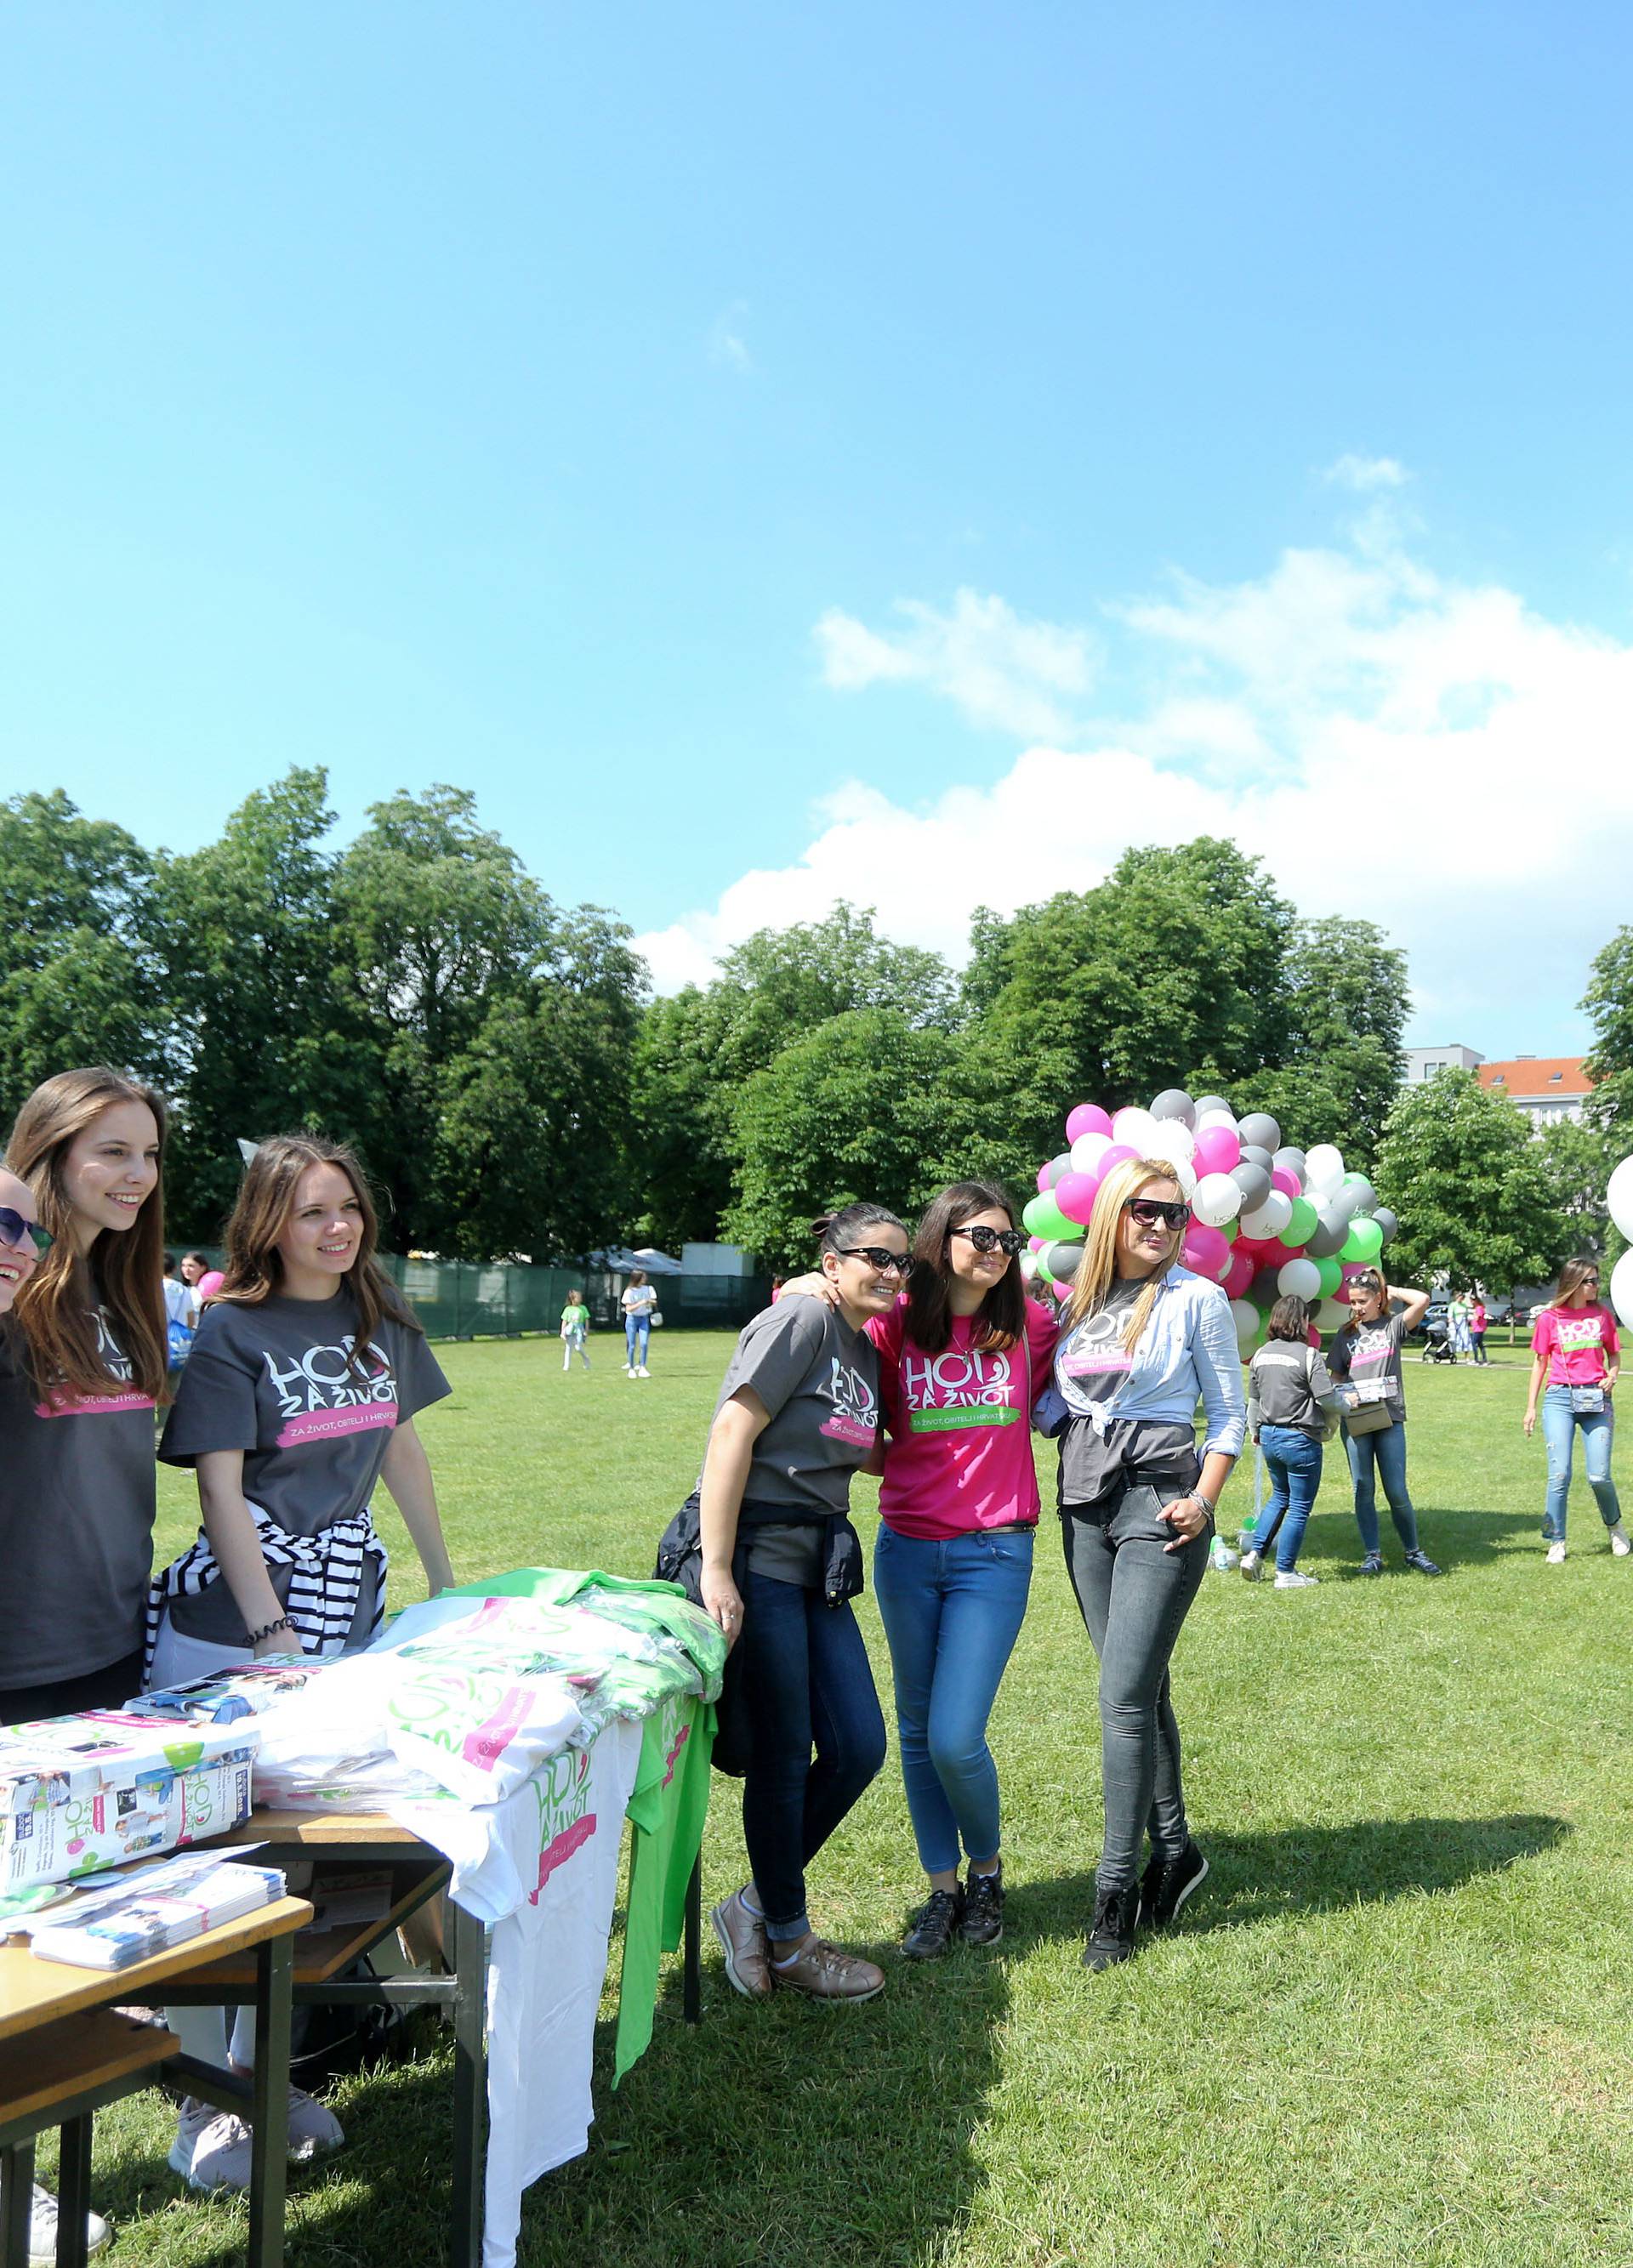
1087,1152
1136,1127
1620,1198
1216,1118
1029,1265
1332,1315
1217,1200
1621,1288
1323,1166
1185,1173
1170,1140
1245,1315
1300,1280
1271,1218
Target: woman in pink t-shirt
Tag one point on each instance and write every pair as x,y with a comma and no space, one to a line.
962,1356
1577,1357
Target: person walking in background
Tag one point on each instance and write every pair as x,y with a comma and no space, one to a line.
1142,1342
640,1300
1457,1324
1576,1359
575,1331
1366,1355
1290,1395
1477,1322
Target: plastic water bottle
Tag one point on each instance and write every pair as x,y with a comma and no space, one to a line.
1223,1558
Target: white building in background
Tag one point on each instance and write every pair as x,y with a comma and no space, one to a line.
1548,1088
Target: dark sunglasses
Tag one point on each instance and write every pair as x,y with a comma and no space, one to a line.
14,1227
1148,1210
877,1256
994,1239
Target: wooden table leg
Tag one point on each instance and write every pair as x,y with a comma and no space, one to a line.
269,2149
691,1980
73,2193
471,2081
16,2203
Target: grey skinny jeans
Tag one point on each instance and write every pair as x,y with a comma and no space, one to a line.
1133,1597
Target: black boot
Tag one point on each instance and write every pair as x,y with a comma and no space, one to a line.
930,1930
1116,1913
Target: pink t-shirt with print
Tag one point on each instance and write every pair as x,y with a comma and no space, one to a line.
960,1453
1576,1341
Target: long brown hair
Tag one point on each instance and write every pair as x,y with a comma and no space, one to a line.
1096,1271
121,1272
1001,1319
261,1213
1571,1279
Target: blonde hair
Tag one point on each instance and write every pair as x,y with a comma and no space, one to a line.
1096,1271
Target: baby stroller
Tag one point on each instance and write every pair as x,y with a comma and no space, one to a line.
1437,1345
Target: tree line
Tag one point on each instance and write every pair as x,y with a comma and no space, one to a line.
501,1064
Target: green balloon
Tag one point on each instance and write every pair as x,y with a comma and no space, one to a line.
1044,1218
1364,1242
1303,1224
1332,1276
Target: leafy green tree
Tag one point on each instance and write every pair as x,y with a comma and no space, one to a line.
80,982
682,1144
1336,1070
1608,1002
1459,1166
848,1110
270,1035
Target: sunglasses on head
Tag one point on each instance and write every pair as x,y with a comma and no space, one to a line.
994,1239
1148,1210
14,1226
879,1256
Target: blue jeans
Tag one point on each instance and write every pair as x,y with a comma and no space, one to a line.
807,1683
951,1610
1293,1460
1559,1430
1381,1456
636,1333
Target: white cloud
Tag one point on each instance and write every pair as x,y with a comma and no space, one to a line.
1003,672
1365,473
727,348
1436,756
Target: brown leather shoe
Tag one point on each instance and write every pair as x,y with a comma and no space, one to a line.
743,1938
822,1972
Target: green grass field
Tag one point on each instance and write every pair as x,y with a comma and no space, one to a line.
1393,2029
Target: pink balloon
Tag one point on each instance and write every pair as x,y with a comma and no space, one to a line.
1284,1180
1075,1194
1206,1252
1352,1268
1062,1291
1034,1244
1119,1152
1046,1177
1313,1337
1217,1152
210,1283
1088,1118
1241,1275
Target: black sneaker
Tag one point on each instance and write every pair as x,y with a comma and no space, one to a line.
1168,1883
1421,1561
1116,1916
930,1931
1373,1564
982,1923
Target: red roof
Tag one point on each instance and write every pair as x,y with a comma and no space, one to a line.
1532,1076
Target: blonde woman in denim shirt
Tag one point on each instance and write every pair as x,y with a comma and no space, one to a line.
1142,1342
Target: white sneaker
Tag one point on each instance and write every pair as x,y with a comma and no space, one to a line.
1556,1554
1251,1562
1294,1581
42,2230
212,2148
1621,1542
643,1372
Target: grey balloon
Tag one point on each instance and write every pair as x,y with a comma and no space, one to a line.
1254,1183
1254,1153
1292,1161
1261,1129
1061,1260
1174,1102
1345,1202
1204,1103
1387,1222
1362,1191
1331,1230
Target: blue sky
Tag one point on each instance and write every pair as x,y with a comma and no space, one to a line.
911,452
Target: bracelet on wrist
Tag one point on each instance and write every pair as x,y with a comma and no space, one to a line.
269,1629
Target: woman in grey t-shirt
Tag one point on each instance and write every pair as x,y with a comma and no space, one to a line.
1365,1355
798,1414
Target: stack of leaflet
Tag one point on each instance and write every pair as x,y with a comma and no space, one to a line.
152,1909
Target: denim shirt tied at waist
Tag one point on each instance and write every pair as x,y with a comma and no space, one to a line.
1187,1352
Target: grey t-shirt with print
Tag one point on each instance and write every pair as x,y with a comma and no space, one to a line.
273,1381
820,1382
1095,1361
1373,1351
77,1497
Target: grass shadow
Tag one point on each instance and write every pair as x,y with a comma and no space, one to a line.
1311,1870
